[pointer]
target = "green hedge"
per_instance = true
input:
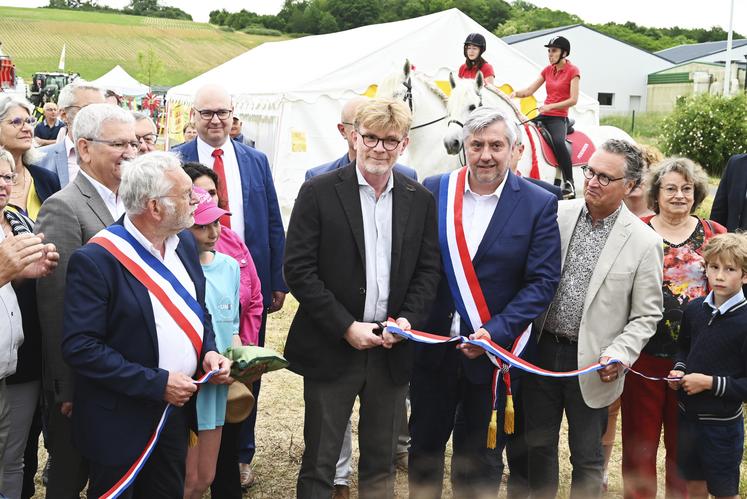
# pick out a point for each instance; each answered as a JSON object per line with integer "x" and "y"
{"x": 707, "y": 129}
{"x": 255, "y": 29}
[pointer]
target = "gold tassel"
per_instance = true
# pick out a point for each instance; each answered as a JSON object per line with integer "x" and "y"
{"x": 493, "y": 430}
{"x": 508, "y": 416}
{"x": 192, "y": 439}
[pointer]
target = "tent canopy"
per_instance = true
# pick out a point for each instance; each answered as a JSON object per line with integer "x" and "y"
{"x": 119, "y": 81}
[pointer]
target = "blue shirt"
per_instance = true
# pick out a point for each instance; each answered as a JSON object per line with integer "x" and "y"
{"x": 46, "y": 132}
{"x": 738, "y": 297}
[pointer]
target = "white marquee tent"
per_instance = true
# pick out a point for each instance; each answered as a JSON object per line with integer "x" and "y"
{"x": 290, "y": 93}
{"x": 119, "y": 81}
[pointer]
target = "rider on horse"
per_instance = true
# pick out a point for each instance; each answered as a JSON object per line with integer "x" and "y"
{"x": 474, "y": 47}
{"x": 562, "y": 79}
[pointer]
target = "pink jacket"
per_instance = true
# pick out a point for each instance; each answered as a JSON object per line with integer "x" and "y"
{"x": 250, "y": 292}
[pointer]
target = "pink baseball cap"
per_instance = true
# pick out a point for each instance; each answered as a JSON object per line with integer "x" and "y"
{"x": 207, "y": 211}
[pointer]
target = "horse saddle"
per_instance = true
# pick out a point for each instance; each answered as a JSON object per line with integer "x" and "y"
{"x": 579, "y": 145}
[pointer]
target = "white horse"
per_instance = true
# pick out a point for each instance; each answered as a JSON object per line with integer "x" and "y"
{"x": 469, "y": 94}
{"x": 426, "y": 152}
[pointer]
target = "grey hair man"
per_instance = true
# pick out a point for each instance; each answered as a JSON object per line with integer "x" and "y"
{"x": 61, "y": 157}
{"x": 608, "y": 303}
{"x": 146, "y": 132}
{"x": 104, "y": 138}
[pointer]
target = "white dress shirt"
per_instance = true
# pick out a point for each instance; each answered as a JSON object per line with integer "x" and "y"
{"x": 477, "y": 210}
{"x": 175, "y": 351}
{"x": 11, "y": 327}
{"x": 377, "y": 233}
{"x": 111, "y": 200}
{"x": 233, "y": 180}
{"x": 72, "y": 159}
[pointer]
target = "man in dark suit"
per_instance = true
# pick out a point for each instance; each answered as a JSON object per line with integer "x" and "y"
{"x": 69, "y": 219}
{"x": 247, "y": 189}
{"x": 345, "y": 127}
{"x": 129, "y": 352}
{"x": 730, "y": 206}
{"x": 361, "y": 247}
{"x": 62, "y": 158}
{"x": 512, "y": 244}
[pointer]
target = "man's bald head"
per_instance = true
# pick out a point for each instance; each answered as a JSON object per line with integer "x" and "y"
{"x": 345, "y": 127}
{"x": 212, "y": 114}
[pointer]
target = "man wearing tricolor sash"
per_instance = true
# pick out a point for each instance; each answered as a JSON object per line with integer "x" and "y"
{"x": 135, "y": 332}
{"x": 361, "y": 248}
{"x": 500, "y": 250}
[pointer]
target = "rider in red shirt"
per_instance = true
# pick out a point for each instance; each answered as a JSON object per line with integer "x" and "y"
{"x": 561, "y": 79}
{"x": 474, "y": 47}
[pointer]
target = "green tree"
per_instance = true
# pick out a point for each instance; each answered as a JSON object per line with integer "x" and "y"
{"x": 354, "y": 13}
{"x": 328, "y": 23}
{"x": 150, "y": 67}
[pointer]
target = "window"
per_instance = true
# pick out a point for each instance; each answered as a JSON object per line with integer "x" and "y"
{"x": 605, "y": 99}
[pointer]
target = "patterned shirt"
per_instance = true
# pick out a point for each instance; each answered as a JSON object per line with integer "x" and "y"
{"x": 587, "y": 241}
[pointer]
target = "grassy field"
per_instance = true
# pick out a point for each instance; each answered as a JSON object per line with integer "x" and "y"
{"x": 96, "y": 42}
{"x": 646, "y": 128}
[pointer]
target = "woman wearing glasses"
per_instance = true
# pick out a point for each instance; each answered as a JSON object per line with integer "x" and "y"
{"x": 676, "y": 187}
{"x": 33, "y": 184}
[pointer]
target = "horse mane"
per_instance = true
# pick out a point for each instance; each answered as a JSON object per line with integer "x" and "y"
{"x": 390, "y": 85}
{"x": 433, "y": 87}
{"x": 497, "y": 91}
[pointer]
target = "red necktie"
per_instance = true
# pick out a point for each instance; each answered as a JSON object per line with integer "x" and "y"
{"x": 225, "y": 220}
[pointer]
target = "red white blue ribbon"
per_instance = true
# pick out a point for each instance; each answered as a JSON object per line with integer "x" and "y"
{"x": 139, "y": 463}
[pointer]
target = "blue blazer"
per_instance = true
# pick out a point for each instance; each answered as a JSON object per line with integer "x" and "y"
{"x": 339, "y": 163}
{"x": 55, "y": 161}
{"x": 45, "y": 182}
{"x": 110, "y": 342}
{"x": 518, "y": 266}
{"x": 264, "y": 234}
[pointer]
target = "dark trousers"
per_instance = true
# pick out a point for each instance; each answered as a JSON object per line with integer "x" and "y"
{"x": 68, "y": 472}
{"x": 557, "y": 127}
{"x": 515, "y": 444}
{"x": 227, "y": 484}
{"x": 437, "y": 396}
{"x": 328, "y": 405}
{"x": 247, "y": 442}
{"x": 162, "y": 476}
{"x": 31, "y": 456}
{"x": 545, "y": 400}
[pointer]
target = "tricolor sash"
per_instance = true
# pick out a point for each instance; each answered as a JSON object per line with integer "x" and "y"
{"x": 183, "y": 308}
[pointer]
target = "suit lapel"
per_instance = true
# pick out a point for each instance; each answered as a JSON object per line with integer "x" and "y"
{"x": 615, "y": 242}
{"x": 567, "y": 224}
{"x": 347, "y": 190}
{"x": 503, "y": 212}
{"x": 93, "y": 200}
{"x": 401, "y": 204}
{"x": 61, "y": 160}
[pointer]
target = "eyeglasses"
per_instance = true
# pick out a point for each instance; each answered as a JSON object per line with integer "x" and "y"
{"x": 207, "y": 114}
{"x": 9, "y": 178}
{"x": 188, "y": 196}
{"x": 119, "y": 145}
{"x": 604, "y": 180}
{"x": 19, "y": 122}
{"x": 372, "y": 141}
{"x": 672, "y": 190}
{"x": 150, "y": 138}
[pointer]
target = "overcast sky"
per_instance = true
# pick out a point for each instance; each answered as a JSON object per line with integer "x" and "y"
{"x": 658, "y": 13}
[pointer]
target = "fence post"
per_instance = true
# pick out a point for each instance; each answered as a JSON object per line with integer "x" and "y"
{"x": 632, "y": 123}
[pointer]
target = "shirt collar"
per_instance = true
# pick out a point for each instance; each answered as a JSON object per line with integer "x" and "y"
{"x": 363, "y": 183}
{"x": 726, "y": 305}
{"x": 205, "y": 147}
{"x": 497, "y": 192}
{"x": 69, "y": 145}
{"x": 169, "y": 245}
{"x": 603, "y": 223}
{"x": 103, "y": 190}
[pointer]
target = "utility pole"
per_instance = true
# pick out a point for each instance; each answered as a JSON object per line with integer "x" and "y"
{"x": 727, "y": 67}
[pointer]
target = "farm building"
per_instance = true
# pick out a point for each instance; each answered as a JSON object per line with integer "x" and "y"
{"x": 612, "y": 71}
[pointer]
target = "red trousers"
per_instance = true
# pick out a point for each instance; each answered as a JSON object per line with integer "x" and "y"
{"x": 647, "y": 406}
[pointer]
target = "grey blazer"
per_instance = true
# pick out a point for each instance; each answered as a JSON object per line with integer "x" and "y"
{"x": 624, "y": 301}
{"x": 68, "y": 219}
{"x": 55, "y": 160}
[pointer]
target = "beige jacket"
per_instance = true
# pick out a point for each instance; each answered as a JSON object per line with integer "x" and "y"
{"x": 624, "y": 300}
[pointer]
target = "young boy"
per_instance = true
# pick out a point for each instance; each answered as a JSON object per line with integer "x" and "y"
{"x": 712, "y": 365}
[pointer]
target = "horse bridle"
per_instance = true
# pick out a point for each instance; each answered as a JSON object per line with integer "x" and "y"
{"x": 463, "y": 157}
{"x": 408, "y": 99}
{"x": 461, "y": 125}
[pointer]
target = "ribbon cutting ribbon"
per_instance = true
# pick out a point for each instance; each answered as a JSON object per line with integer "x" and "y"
{"x": 507, "y": 357}
{"x": 137, "y": 466}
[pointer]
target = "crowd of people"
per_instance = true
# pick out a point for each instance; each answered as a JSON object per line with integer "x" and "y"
{"x": 126, "y": 272}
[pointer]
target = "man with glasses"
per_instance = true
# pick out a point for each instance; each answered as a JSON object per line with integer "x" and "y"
{"x": 61, "y": 158}
{"x": 607, "y": 306}
{"x": 104, "y": 138}
{"x": 246, "y": 188}
{"x": 47, "y": 130}
{"x": 362, "y": 247}
{"x": 145, "y": 132}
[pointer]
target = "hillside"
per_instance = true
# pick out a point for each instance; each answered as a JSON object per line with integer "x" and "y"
{"x": 96, "y": 42}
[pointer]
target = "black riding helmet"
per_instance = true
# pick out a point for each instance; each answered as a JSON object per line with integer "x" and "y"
{"x": 562, "y": 43}
{"x": 475, "y": 39}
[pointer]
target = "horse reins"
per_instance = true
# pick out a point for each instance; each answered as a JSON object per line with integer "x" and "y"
{"x": 408, "y": 98}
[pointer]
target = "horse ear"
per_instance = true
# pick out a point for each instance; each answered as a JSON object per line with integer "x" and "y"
{"x": 407, "y": 68}
{"x": 451, "y": 80}
{"x": 479, "y": 80}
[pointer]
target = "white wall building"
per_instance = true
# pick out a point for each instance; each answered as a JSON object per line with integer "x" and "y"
{"x": 612, "y": 71}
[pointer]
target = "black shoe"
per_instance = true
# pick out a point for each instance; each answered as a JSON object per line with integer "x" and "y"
{"x": 569, "y": 190}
